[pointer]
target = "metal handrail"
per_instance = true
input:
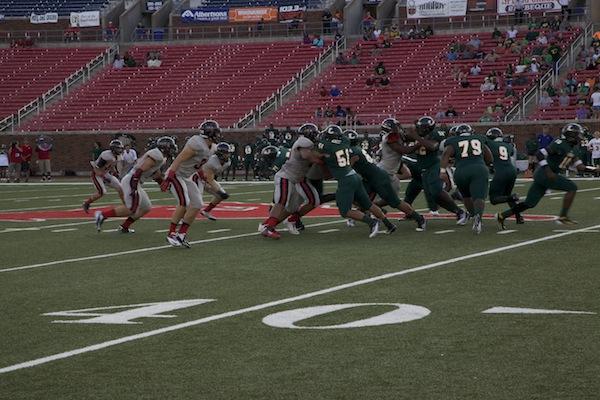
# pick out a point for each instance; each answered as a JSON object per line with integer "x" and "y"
{"x": 58, "y": 36}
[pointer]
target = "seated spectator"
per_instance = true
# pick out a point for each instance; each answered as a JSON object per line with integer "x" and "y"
{"x": 440, "y": 115}
{"x": 498, "y": 106}
{"x": 328, "y": 113}
{"x": 154, "y": 61}
{"x": 428, "y": 31}
{"x": 468, "y": 54}
{"x": 534, "y": 67}
{"x": 582, "y": 111}
{"x": 118, "y": 63}
{"x": 335, "y": 91}
{"x": 452, "y": 55}
{"x": 341, "y": 59}
{"x": 318, "y": 42}
{"x": 129, "y": 60}
{"x": 339, "y": 112}
{"x": 583, "y": 88}
{"x": 532, "y": 34}
{"x": 570, "y": 84}
{"x": 380, "y": 69}
{"x": 319, "y": 112}
{"x": 386, "y": 43}
{"x": 384, "y": 81}
{"x": 542, "y": 39}
{"x": 338, "y": 35}
{"x": 323, "y": 92}
{"x": 496, "y": 34}
{"x": 551, "y": 90}
{"x": 377, "y": 33}
{"x": 306, "y": 39}
{"x": 491, "y": 56}
{"x": 509, "y": 92}
{"x": 564, "y": 100}
{"x": 487, "y": 117}
{"x": 521, "y": 67}
{"x": 451, "y": 112}
{"x": 512, "y": 33}
{"x": 475, "y": 42}
{"x": 394, "y": 31}
{"x": 545, "y": 101}
{"x": 354, "y": 59}
{"x": 487, "y": 86}
{"x": 475, "y": 70}
{"x": 464, "y": 81}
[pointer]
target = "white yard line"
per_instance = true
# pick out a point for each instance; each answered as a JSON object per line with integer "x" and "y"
{"x": 506, "y": 232}
{"x": 329, "y": 231}
{"x": 37, "y": 228}
{"x": 446, "y": 231}
{"x": 258, "y": 307}
{"x": 64, "y": 230}
{"x": 218, "y": 230}
{"x": 143, "y": 250}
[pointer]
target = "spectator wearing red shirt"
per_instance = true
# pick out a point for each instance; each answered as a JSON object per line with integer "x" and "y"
{"x": 26, "y": 153}
{"x": 43, "y": 155}
{"x": 14, "y": 162}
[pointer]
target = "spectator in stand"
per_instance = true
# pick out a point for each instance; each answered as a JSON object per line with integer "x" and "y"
{"x": 380, "y": 69}
{"x": 26, "y": 153}
{"x": 428, "y": 31}
{"x": 487, "y": 85}
{"x": 487, "y": 117}
{"x": 542, "y": 39}
{"x": 154, "y": 61}
{"x": 468, "y": 54}
{"x": 519, "y": 11}
{"x": 384, "y": 81}
{"x": 451, "y": 112}
{"x": 96, "y": 150}
{"x": 555, "y": 51}
{"x": 129, "y": 158}
{"x": 326, "y": 20}
{"x": 545, "y": 101}
{"x": 496, "y": 35}
{"x": 551, "y": 90}
{"x": 323, "y": 92}
{"x": 118, "y": 63}
{"x": 512, "y": 33}
{"x": 582, "y": 111}
{"x": 509, "y": 93}
{"x": 354, "y": 59}
{"x": 595, "y": 100}
{"x": 328, "y": 113}
{"x": 464, "y": 81}
{"x": 498, "y": 106}
{"x": 110, "y": 32}
{"x": 341, "y": 59}
{"x": 335, "y": 91}
{"x": 319, "y": 112}
{"x": 3, "y": 163}
{"x": 14, "y": 162}
{"x": 532, "y": 34}
{"x": 570, "y": 84}
{"x": 318, "y": 42}
{"x": 377, "y": 33}
{"x": 544, "y": 138}
{"x": 44, "y": 165}
{"x": 492, "y": 56}
{"x": 129, "y": 60}
{"x": 340, "y": 112}
{"x": 475, "y": 42}
{"x": 535, "y": 66}
{"x": 452, "y": 55}
{"x": 306, "y": 39}
{"x": 475, "y": 70}
{"x": 440, "y": 115}
{"x": 564, "y": 100}
{"x": 394, "y": 31}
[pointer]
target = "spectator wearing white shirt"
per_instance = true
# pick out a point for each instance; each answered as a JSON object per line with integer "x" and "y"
{"x": 564, "y": 100}
{"x": 545, "y": 101}
{"x": 154, "y": 61}
{"x": 118, "y": 63}
{"x": 512, "y": 33}
{"x": 594, "y": 147}
{"x": 595, "y": 100}
{"x": 534, "y": 66}
{"x": 542, "y": 39}
{"x": 475, "y": 69}
{"x": 129, "y": 158}
{"x": 487, "y": 85}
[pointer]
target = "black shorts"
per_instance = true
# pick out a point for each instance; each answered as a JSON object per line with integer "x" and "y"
{"x": 25, "y": 166}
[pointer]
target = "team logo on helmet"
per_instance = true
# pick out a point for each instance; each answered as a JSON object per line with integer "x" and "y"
{"x": 223, "y": 151}
{"x": 116, "y": 146}
{"x": 333, "y": 132}
{"x": 210, "y": 129}
{"x": 494, "y": 133}
{"x": 572, "y": 133}
{"x": 352, "y": 135}
{"x": 464, "y": 129}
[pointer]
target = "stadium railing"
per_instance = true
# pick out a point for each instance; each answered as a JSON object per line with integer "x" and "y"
{"x": 58, "y": 36}
{"x": 293, "y": 86}
{"x": 61, "y": 89}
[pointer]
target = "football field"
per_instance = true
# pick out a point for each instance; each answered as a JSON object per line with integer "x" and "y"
{"x": 329, "y": 314}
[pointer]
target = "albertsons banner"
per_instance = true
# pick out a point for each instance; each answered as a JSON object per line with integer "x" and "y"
{"x": 436, "y": 8}
{"x": 206, "y": 14}
{"x": 508, "y": 6}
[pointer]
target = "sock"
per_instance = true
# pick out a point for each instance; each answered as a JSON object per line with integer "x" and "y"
{"x": 127, "y": 223}
{"x": 367, "y": 220}
{"x": 88, "y": 201}
{"x": 413, "y": 215}
{"x": 209, "y": 207}
{"x": 109, "y": 213}
{"x": 271, "y": 222}
{"x": 387, "y": 223}
{"x": 515, "y": 210}
{"x": 172, "y": 228}
{"x": 478, "y": 210}
{"x": 564, "y": 212}
{"x": 184, "y": 228}
{"x": 294, "y": 217}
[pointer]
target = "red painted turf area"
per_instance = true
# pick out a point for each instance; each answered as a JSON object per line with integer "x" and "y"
{"x": 230, "y": 210}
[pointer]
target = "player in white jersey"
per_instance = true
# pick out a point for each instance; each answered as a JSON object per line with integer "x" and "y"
{"x": 293, "y": 192}
{"x": 594, "y": 147}
{"x": 205, "y": 177}
{"x": 102, "y": 173}
{"x": 137, "y": 202}
{"x": 178, "y": 179}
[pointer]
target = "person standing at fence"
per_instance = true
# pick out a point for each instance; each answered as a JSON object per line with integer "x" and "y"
{"x": 129, "y": 159}
{"x": 43, "y": 149}
{"x": 26, "y": 153}
{"x": 519, "y": 11}
{"x": 14, "y": 162}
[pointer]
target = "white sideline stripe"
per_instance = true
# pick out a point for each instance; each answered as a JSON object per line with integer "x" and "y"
{"x": 54, "y": 200}
{"x": 37, "y": 228}
{"x": 155, "y": 332}
{"x": 596, "y": 198}
{"x": 252, "y": 199}
{"x": 329, "y": 231}
{"x": 145, "y": 249}
{"x": 446, "y": 231}
{"x": 556, "y": 198}
{"x": 218, "y": 230}
{"x": 506, "y": 232}
{"x": 568, "y": 230}
{"x": 64, "y": 230}
{"x": 161, "y": 230}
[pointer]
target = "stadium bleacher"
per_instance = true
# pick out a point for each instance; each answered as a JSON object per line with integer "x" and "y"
{"x": 421, "y": 83}
{"x": 20, "y": 8}
{"x": 221, "y": 82}
{"x": 27, "y": 73}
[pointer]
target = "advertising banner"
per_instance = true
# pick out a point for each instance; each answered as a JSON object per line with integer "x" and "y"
{"x": 508, "y": 6}
{"x": 206, "y": 14}
{"x": 253, "y": 14}
{"x": 291, "y": 13}
{"x": 47, "y": 18}
{"x": 436, "y": 8}
{"x": 85, "y": 18}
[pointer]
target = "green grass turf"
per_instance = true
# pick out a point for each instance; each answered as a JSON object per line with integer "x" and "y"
{"x": 454, "y": 353}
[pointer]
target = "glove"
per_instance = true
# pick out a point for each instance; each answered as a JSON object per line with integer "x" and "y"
{"x": 223, "y": 195}
{"x": 166, "y": 184}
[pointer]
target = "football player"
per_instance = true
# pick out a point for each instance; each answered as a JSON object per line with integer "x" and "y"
{"x": 415, "y": 186}
{"x": 553, "y": 161}
{"x": 428, "y": 139}
{"x": 178, "y": 179}
{"x": 290, "y": 182}
{"x": 335, "y": 148}
{"x": 377, "y": 181}
{"x": 102, "y": 173}
{"x": 505, "y": 173}
{"x": 471, "y": 156}
{"x": 205, "y": 177}
{"x": 137, "y": 202}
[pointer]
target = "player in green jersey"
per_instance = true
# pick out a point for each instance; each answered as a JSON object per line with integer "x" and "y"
{"x": 555, "y": 159}
{"x": 471, "y": 157}
{"x": 531, "y": 147}
{"x": 377, "y": 182}
{"x": 335, "y": 148}
{"x": 428, "y": 162}
{"x": 505, "y": 173}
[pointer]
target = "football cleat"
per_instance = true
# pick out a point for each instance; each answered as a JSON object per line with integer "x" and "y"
{"x": 173, "y": 240}
{"x": 391, "y": 229}
{"x": 99, "y": 220}
{"x": 182, "y": 239}
{"x": 500, "y": 220}
{"x": 270, "y": 233}
{"x": 120, "y": 229}
{"x": 421, "y": 224}
{"x": 434, "y": 212}
{"x": 86, "y": 207}
{"x": 566, "y": 221}
{"x": 208, "y": 215}
{"x": 291, "y": 227}
{"x": 374, "y": 229}
{"x": 300, "y": 225}
{"x": 477, "y": 224}
{"x": 350, "y": 223}
{"x": 462, "y": 217}
{"x": 261, "y": 227}
{"x": 520, "y": 219}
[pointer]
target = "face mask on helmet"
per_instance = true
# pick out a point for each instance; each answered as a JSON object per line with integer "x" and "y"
{"x": 223, "y": 151}
{"x": 390, "y": 125}
{"x": 167, "y": 146}
{"x": 309, "y": 131}
{"x": 494, "y": 133}
{"x": 464, "y": 129}
{"x": 425, "y": 125}
{"x": 268, "y": 154}
{"x": 352, "y": 136}
{"x": 116, "y": 147}
{"x": 572, "y": 133}
{"x": 210, "y": 129}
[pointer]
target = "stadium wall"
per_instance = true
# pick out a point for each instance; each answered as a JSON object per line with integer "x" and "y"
{"x": 72, "y": 150}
